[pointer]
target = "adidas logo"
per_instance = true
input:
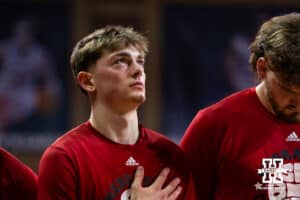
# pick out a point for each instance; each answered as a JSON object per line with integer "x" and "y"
{"x": 293, "y": 137}
{"x": 131, "y": 162}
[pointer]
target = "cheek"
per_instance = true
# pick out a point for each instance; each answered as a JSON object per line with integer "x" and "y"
{"x": 110, "y": 76}
{"x": 281, "y": 98}
{"x": 108, "y": 81}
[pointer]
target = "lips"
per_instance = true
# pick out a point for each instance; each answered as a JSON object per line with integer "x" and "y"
{"x": 137, "y": 84}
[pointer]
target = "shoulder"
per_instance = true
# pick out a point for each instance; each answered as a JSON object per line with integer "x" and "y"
{"x": 211, "y": 123}
{"x": 6, "y": 157}
{"x": 8, "y": 160}
{"x": 13, "y": 164}
{"x": 72, "y": 137}
{"x": 227, "y": 107}
{"x": 232, "y": 102}
{"x": 66, "y": 145}
{"x": 16, "y": 176}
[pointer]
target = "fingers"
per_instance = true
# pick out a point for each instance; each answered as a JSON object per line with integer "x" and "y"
{"x": 172, "y": 186}
{"x": 138, "y": 177}
{"x": 155, "y": 190}
{"x": 174, "y": 195}
{"x": 160, "y": 180}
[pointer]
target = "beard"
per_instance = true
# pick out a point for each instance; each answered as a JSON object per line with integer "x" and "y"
{"x": 283, "y": 114}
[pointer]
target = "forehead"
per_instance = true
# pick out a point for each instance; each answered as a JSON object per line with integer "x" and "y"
{"x": 130, "y": 51}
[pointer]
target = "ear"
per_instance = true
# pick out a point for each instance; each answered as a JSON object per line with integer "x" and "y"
{"x": 261, "y": 67}
{"x": 86, "y": 81}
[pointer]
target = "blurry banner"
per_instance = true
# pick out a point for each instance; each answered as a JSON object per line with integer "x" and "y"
{"x": 33, "y": 60}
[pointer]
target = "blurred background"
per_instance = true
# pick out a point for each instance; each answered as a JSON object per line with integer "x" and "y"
{"x": 198, "y": 54}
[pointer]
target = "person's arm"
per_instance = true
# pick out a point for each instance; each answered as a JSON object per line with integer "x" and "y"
{"x": 57, "y": 179}
{"x": 201, "y": 143}
{"x": 155, "y": 191}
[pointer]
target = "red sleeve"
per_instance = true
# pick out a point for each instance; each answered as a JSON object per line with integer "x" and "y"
{"x": 57, "y": 179}
{"x": 17, "y": 180}
{"x": 201, "y": 143}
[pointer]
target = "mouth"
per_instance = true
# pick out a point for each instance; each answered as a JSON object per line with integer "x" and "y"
{"x": 291, "y": 109}
{"x": 138, "y": 84}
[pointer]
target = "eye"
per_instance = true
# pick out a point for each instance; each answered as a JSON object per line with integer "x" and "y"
{"x": 121, "y": 62}
{"x": 141, "y": 62}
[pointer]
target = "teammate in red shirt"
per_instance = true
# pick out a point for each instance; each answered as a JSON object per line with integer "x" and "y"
{"x": 17, "y": 182}
{"x": 247, "y": 146}
{"x": 99, "y": 158}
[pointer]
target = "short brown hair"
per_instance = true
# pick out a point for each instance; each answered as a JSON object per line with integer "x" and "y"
{"x": 110, "y": 38}
{"x": 278, "y": 41}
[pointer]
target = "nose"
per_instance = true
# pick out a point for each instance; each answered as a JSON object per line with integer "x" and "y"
{"x": 137, "y": 70}
{"x": 295, "y": 102}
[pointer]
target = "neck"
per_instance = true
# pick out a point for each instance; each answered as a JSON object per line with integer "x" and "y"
{"x": 120, "y": 128}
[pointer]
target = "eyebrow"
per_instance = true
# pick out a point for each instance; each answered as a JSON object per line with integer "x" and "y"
{"x": 126, "y": 54}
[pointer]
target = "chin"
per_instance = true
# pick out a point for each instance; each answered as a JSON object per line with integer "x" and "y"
{"x": 293, "y": 118}
{"x": 141, "y": 99}
{"x": 137, "y": 99}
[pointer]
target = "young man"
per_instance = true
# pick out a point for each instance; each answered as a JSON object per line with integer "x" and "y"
{"x": 17, "y": 180}
{"x": 247, "y": 146}
{"x": 98, "y": 159}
